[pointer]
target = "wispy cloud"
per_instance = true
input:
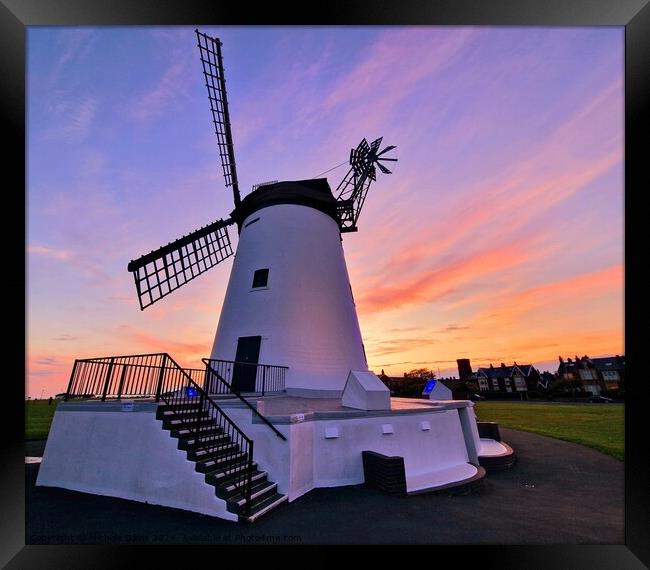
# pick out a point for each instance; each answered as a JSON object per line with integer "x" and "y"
{"x": 72, "y": 120}
{"x": 76, "y": 45}
{"x": 432, "y": 283}
{"x": 511, "y": 309}
{"x": 451, "y": 328}
{"x": 66, "y": 337}
{"x": 169, "y": 88}
{"x": 172, "y": 87}
{"x": 51, "y": 252}
{"x": 399, "y": 345}
{"x": 391, "y": 68}
{"x": 522, "y": 192}
{"x": 187, "y": 352}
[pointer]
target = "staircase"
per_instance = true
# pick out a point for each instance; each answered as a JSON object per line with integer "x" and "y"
{"x": 223, "y": 463}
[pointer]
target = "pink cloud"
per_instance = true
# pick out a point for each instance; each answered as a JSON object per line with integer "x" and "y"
{"x": 51, "y": 252}
{"x": 172, "y": 86}
{"x": 436, "y": 282}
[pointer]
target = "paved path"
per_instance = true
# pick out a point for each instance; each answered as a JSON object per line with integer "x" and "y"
{"x": 557, "y": 493}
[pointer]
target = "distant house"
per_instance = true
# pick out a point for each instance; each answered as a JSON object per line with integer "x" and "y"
{"x": 531, "y": 376}
{"x": 595, "y": 375}
{"x": 503, "y": 379}
{"x": 546, "y": 380}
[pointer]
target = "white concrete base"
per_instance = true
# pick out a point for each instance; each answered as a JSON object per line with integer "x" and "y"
{"x": 324, "y": 449}
{"x": 97, "y": 448}
{"x": 365, "y": 391}
{"x": 439, "y": 477}
{"x": 105, "y": 451}
{"x": 491, "y": 448}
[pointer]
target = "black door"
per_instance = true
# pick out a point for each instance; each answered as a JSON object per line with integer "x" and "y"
{"x": 244, "y": 372}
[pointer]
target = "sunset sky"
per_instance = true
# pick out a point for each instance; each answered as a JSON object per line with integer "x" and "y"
{"x": 499, "y": 236}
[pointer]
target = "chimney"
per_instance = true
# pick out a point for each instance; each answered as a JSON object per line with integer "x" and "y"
{"x": 503, "y": 365}
{"x": 491, "y": 365}
{"x": 464, "y": 368}
{"x": 561, "y": 360}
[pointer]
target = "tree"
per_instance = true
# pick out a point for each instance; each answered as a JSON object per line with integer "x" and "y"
{"x": 422, "y": 373}
{"x": 412, "y": 384}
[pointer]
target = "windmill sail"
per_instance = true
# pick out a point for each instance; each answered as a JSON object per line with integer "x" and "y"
{"x": 215, "y": 81}
{"x": 164, "y": 270}
{"x": 353, "y": 188}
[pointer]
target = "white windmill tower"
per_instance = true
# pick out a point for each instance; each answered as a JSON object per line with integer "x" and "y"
{"x": 289, "y": 300}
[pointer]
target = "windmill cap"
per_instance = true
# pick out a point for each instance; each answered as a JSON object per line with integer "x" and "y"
{"x": 314, "y": 193}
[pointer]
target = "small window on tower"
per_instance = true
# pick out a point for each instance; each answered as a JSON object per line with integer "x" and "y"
{"x": 261, "y": 278}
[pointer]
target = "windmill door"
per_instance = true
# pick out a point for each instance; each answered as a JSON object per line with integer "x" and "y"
{"x": 245, "y": 369}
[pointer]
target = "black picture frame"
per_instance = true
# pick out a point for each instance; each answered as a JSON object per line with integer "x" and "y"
{"x": 16, "y": 15}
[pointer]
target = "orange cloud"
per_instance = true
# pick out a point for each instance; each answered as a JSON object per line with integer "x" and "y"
{"x": 186, "y": 352}
{"x": 434, "y": 283}
{"x": 595, "y": 284}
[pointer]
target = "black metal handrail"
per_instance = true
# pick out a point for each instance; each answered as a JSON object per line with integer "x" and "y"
{"x": 116, "y": 376}
{"x": 212, "y": 373}
{"x": 160, "y": 376}
{"x": 268, "y": 377}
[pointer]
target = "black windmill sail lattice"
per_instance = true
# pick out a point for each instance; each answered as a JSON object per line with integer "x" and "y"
{"x": 215, "y": 81}
{"x": 169, "y": 267}
{"x": 352, "y": 191}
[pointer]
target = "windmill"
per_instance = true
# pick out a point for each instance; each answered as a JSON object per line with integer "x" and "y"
{"x": 289, "y": 282}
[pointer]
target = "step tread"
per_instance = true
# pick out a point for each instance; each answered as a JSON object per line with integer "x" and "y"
{"x": 222, "y": 476}
{"x": 189, "y": 442}
{"x": 186, "y": 432}
{"x": 183, "y": 424}
{"x": 264, "y": 507}
{"x": 256, "y": 491}
{"x": 214, "y": 464}
{"x": 218, "y": 451}
{"x": 230, "y": 489}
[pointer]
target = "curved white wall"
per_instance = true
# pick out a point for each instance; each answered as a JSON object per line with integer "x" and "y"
{"x": 306, "y": 316}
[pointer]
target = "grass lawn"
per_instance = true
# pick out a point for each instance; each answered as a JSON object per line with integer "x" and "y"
{"x": 38, "y": 418}
{"x": 601, "y": 426}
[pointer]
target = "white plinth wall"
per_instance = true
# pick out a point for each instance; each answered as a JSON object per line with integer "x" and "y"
{"x": 438, "y": 445}
{"x": 104, "y": 451}
{"x": 306, "y": 314}
{"x": 97, "y": 448}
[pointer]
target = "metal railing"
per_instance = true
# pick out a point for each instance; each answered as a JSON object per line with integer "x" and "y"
{"x": 117, "y": 376}
{"x": 262, "y": 378}
{"x": 160, "y": 376}
{"x": 213, "y": 375}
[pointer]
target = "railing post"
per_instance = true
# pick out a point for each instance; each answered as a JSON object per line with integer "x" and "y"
{"x": 108, "y": 379}
{"x": 160, "y": 377}
{"x": 119, "y": 390}
{"x": 264, "y": 378}
{"x": 249, "y": 477}
{"x": 74, "y": 369}
{"x": 198, "y": 420}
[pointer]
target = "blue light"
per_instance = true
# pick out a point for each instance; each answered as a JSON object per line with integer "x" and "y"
{"x": 190, "y": 391}
{"x": 429, "y": 386}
